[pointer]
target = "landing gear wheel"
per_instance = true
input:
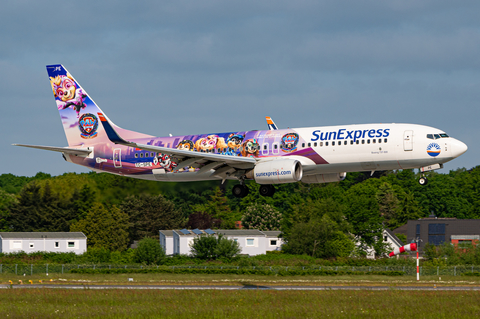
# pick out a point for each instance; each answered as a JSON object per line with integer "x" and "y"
{"x": 240, "y": 191}
{"x": 423, "y": 181}
{"x": 267, "y": 190}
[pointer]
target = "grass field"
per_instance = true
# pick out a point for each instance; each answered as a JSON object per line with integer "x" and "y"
{"x": 63, "y": 303}
{"x": 122, "y": 303}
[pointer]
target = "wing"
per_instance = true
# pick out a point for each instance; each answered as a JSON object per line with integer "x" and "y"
{"x": 224, "y": 165}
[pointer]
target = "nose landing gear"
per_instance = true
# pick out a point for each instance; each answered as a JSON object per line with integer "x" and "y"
{"x": 423, "y": 180}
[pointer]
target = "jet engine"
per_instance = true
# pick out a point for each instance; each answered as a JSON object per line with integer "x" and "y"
{"x": 277, "y": 172}
{"x": 324, "y": 178}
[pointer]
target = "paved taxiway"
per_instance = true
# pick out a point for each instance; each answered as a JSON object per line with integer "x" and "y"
{"x": 220, "y": 287}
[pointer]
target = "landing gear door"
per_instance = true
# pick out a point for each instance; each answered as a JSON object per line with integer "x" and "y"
{"x": 117, "y": 157}
{"x": 408, "y": 141}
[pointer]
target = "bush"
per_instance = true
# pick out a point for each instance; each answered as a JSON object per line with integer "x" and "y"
{"x": 149, "y": 252}
{"x": 211, "y": 247}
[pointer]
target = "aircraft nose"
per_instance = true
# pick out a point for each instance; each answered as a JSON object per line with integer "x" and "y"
{"x": 458, "y": 148}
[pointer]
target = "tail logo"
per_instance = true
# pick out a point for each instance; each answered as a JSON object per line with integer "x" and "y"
{"x": 88, "y": 124}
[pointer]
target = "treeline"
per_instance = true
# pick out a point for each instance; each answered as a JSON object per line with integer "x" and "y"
{"x": 319, "y": 220}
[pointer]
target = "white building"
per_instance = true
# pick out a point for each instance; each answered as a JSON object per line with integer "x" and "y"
{"x": 389, "y": 239}
{"x": 252, "y": 242}
{"x": 166, "y": 241}
{"x": 29, "y": 242}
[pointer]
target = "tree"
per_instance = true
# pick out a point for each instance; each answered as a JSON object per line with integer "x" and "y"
{"x": 262, "y": 217}
{"x": 149, "y": 252}
{"x": 38, "y": 209}
{"x": 6, "y": 201}
{"x": 362, "y": 212}
{"x": 104, "y": 227}
{"x": 218, "y": 208}
{"x": 202, "y": 220}
{"x": 149, "y": 214}
{"x": 320, "y": 238}
{"x": 211, "y": 247}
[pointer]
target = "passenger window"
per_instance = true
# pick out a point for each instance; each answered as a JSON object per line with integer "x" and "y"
{"x": 265, "y": 146}
{"x": 309, "y": 144}
{"x": 358, "y": 142}
{"x": 333, "y": 143}
{"x": 275, "y": 146}
{"x": 385, "y": 140}
{"x": 326, "y": 143}
{"x": 315, "y": 144}
{"x": 363, "y": 141}
{"x": 345, "y": 143}
{"x": 321, "y": 143}
{"x": 374, "y": 141}
{"x": 303, "y": 144}
{"x": 136, "y": 155}
{"x": 152, "y": 154}
{"x": 141, "y": 155}
{"x": 351, "y": 142}
{"x": 368, "y": 141}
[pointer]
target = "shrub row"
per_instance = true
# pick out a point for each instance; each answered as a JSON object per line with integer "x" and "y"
{"x": 240, "y": 271}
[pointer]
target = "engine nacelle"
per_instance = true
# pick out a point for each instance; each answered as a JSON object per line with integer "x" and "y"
{"x": 277, "y": 172}
{"x": 324, "y": 178}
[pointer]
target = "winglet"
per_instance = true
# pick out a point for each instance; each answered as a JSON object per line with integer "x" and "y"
{"x": 271, "y": 124}
{"x": 111, "y": 133}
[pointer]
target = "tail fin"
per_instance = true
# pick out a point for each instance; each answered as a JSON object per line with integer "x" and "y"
{"x": 271, "y": 124}
{"x": 78, "y": 111}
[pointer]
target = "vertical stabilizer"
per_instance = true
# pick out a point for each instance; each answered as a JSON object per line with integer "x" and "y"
{"x": 78, "y": 112}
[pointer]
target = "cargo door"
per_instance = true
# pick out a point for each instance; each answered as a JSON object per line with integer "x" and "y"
{"x": 408, "y": 141}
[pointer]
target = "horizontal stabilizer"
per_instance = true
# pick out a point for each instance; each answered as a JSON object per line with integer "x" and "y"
{"x": 67, "y": 150}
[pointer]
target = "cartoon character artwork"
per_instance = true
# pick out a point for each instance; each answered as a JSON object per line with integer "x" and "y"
{"x": 210, "y": 143}
{"x": 185, "y": 145}
{"x": 67, "y": 94}
{"x": 289, "y": 142}
{"x": 250, "y": 148}
{"x": 234, "y": 143}
{"x": 166, "y": 162}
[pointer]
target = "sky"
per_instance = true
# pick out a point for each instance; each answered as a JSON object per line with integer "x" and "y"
{"x": 188, "y": 67}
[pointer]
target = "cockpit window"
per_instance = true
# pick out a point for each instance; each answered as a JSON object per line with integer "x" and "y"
{"x": 444, "y": 135}
{"x": 436, "y": 136}
{"x": 430, "y": 136}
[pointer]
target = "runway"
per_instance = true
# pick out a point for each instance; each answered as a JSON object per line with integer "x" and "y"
{"x": 249, "y": 287}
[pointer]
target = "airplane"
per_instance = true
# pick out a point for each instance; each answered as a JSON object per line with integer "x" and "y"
{"x": 310, "y": 154}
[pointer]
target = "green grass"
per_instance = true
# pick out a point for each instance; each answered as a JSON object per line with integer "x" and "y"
{"x": 63, "y": 303}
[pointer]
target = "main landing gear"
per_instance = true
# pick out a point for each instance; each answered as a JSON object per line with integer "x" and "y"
{"x": 267, "y": 190}
{"x": 241, "y": 190}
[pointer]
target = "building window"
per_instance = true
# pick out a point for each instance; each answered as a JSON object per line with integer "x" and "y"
{"x": 31, "y": 245}
{"x": 71, "y": 244}
{"x": 384, "y": 238}
{"x": 57, "y": 244}
{"x": 436, "y": 234}
{"x": 250, "y": 241}
{"x": 273, "y": 242}
{"x": 17, "y": 244}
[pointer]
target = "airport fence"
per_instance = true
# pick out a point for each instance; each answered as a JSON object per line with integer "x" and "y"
{"x": 34, "y": 269}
